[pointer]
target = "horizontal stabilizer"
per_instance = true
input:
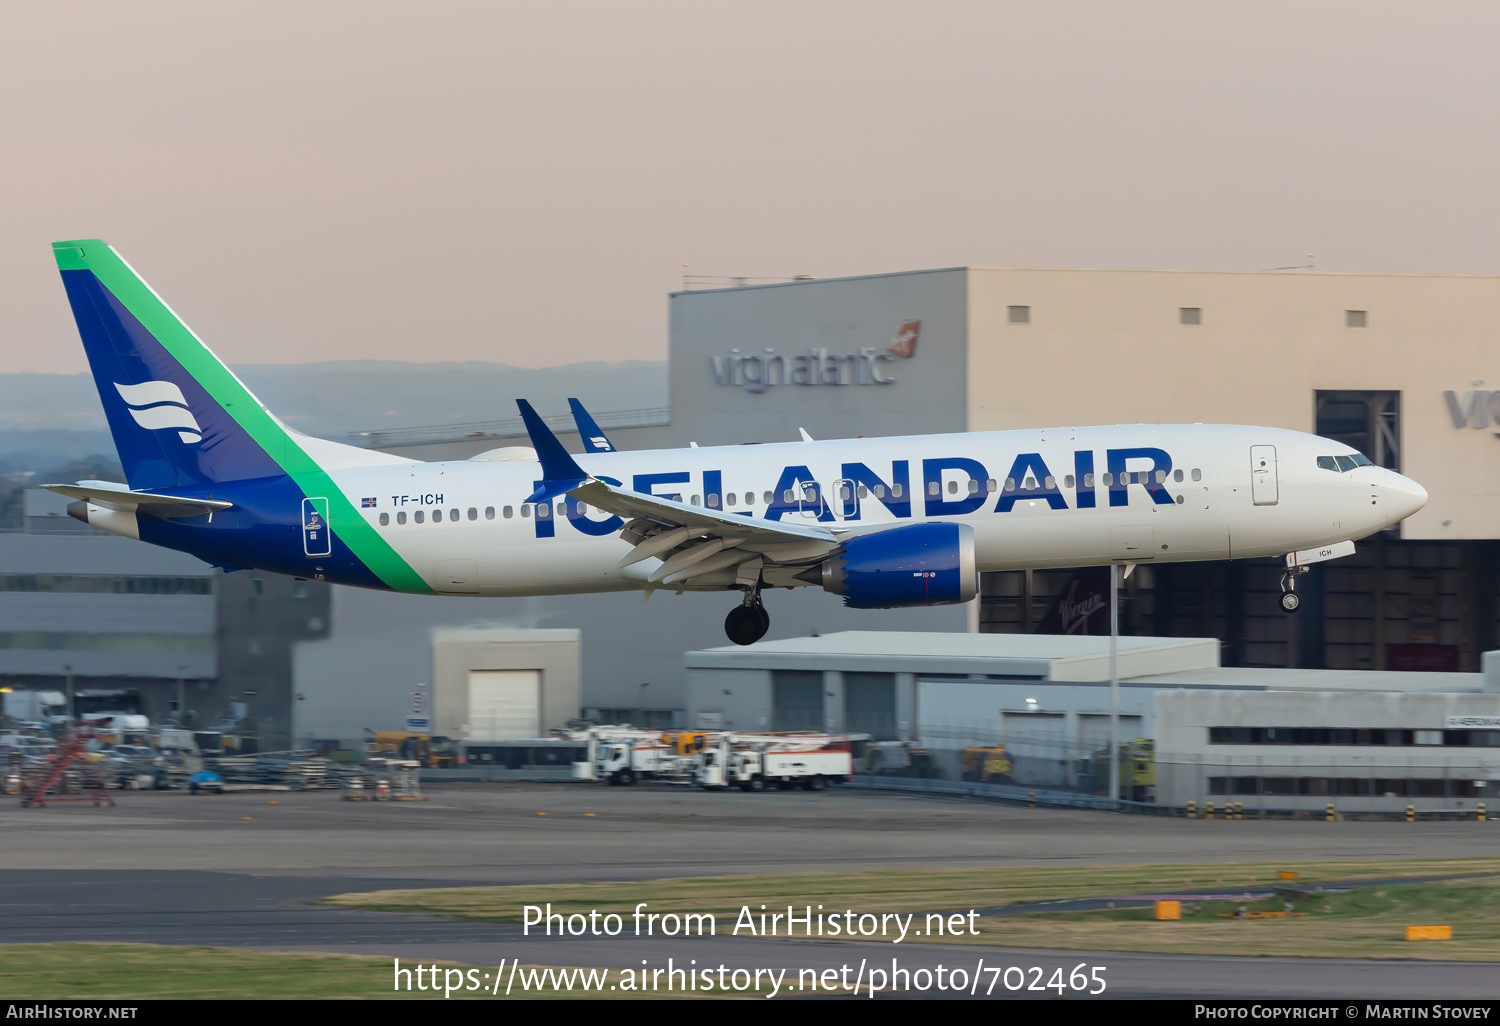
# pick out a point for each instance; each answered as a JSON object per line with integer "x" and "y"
{"x": 121, "y": 500}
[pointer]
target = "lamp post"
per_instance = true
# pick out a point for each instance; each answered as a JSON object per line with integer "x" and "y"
{"x": 640, "y": 703}
{"x": 1114, "y": 683}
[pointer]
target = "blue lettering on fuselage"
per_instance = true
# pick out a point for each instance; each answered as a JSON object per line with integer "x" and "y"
{"x": 1032, "y": 481}
{"x": 932, "y": 484}
{"x": 798, "y": 492}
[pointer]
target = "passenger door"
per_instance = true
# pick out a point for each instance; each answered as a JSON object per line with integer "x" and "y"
{"x": 1263, "y": 487}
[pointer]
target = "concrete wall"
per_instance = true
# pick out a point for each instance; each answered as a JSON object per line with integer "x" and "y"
{"x": 1185, "y": 759}
{"x": 1107, "y": 347}
{"x": 554, "y": 654}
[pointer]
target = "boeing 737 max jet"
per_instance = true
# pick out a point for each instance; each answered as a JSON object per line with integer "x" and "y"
{"x": 882, "y": 522}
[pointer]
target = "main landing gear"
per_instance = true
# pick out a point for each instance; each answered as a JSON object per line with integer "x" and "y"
{"x": 1291, "y": 602}
{"x": 748, "y": 622}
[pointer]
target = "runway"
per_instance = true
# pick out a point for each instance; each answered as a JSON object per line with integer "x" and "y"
{"x": 172, "y": 869}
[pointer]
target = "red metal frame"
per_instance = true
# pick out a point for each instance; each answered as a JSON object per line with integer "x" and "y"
{"x": 73, "y": 749}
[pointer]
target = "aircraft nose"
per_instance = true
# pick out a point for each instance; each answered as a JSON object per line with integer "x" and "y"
{"x": 1403, "y": 496}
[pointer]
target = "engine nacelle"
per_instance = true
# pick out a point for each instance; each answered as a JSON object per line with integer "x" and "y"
{"x": 917, "y": 565}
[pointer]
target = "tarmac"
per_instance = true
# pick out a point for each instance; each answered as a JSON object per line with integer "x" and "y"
{"x": 243, "y": 870}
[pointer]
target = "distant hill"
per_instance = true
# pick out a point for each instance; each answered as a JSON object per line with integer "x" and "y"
{"x": 47, "y": 419}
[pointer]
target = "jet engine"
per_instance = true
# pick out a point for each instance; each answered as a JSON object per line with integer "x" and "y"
{"x": 916, "y": 565}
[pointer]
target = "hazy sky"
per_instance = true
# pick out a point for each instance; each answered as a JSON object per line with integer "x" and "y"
{"x": 522, "y": 182}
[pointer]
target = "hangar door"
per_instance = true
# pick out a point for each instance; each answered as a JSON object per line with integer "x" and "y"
{"x": 504, "y": 704}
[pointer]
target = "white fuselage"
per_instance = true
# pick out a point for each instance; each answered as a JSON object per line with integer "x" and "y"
{"x": 1243, "y": 492}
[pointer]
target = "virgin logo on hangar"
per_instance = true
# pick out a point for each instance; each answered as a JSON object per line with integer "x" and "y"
{"x": 904, "y": 342}
{"x": 816, "y": 366}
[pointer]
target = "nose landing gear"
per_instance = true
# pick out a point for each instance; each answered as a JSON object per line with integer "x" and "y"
{"x": 1291, "y": 602}
{"x": 748, "y": 622}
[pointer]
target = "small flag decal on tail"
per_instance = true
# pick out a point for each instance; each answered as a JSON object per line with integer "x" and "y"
{"x": 367, "y": 503}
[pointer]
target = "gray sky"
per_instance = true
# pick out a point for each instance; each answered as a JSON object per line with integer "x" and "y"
{"x": 522, "y": 182}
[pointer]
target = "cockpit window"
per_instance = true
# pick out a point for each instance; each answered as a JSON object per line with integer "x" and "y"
{"x": 1361, "y": 460}
{"x": 1328, "y": 463}
{"x": 1347, "y": 463}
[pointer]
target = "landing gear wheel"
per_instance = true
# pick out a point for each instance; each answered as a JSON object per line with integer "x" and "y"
{"x": 1291, "y": 601}
{"x": 747, "y": 624}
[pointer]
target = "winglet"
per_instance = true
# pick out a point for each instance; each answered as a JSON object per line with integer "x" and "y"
{"x": 559, "y": 472}
{"x": 594, "y": 440}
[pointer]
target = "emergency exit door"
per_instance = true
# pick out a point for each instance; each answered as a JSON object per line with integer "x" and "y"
{"x": 1263, "y": 488}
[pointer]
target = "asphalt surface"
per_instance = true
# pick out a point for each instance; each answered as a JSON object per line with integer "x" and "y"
{"x": 173, "y": 869}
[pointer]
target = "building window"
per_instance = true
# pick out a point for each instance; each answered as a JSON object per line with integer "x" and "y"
{"x": 1189, "y": 315}
{"x": 1354, "y": 318}
{"x": 1019, "y": 314}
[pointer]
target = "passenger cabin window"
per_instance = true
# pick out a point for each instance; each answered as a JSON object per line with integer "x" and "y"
{"x": 543, "y": 510}
{"x": 1197, "y": 474}
{"x": 489, "y": 513}
{"x": 932, "y": 487}
{"x": 437, "y": 516}
{"x": 526, "y": 510}
{"x": 1010, "y": 484}
{"x": 385, "y": 519}
{"x": 768, "y": 498}
{"x": 1068, "y": 481}
{"x": 416, "y": 517}
{"x": 508, "y": 512}
{"x": 400, "y": 518}
{"x": 729, "y": 497}
{"x": 1088, "y": 480}
{"x": 1177, "y": 475}
{"x": 896, "y": 491}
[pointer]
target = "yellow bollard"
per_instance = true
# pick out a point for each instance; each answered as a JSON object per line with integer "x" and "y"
{"x": 1481, "y": 812}
{"x": 1031, "y": 801}
{"x": 1209, "y": 812}
{"x": 1192, "y": 810}
{"x": 1330, "y": 812}
{"x": 1239, "y": 810}
{"x": 1411, "y": 813}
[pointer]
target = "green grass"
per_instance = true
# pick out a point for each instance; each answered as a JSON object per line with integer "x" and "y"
{"x": 1366, "y": 923}
{"x": 879, "y": 891}
{"x": 32, "y": 972}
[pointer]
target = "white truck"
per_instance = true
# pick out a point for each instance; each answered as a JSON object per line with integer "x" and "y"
{"x": 49, "y": 707}
{"x": 624, "y": 755}
{"x": 753, "y": 763}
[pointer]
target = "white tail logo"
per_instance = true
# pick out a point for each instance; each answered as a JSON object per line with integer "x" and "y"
{"x": 161, "y": 406}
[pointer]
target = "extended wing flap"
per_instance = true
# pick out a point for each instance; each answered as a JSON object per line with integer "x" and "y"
{"x": 149, "y": 503}
{"x": 753, "y": 536}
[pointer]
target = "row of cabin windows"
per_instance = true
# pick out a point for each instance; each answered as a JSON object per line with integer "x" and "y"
{"x": 1050, "y": 482}
{"x": 1351, "y": 736}
{"x": 810, "y": 494}
{"x": 1366, "y": 787}
{"x": 1190, "y": 315}
{"x": 507, "y": 512}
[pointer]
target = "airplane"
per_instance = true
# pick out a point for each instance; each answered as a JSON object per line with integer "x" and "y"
{"x": 882, "y": 522}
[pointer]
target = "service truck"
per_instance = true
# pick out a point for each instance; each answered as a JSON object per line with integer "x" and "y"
{"x": 754, "y": 762}
{"x": 49, "y": 707}
{"x": 623, "y": 755}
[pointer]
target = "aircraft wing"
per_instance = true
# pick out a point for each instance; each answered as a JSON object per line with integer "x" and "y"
{"x": 166, "y": 506}
{"x": 692, "y": 540}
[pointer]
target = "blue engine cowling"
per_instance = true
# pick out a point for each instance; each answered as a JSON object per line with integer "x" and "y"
{"x": 917, "y": 565}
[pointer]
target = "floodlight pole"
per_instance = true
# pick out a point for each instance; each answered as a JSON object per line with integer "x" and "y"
{"x": 1114, "y": 683}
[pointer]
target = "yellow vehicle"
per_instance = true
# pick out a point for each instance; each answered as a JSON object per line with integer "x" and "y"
{"x": 688, "y": 742}
{"x": 987, "y": 765}
{"x": 431, "y": 752}
{"x": 1137, "y": 770}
